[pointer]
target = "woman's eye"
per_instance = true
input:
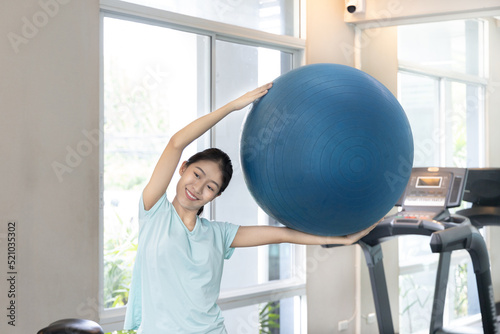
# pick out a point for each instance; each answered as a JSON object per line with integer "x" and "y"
{"x": 196, "y": 175}
{"x": 211, "y": 189}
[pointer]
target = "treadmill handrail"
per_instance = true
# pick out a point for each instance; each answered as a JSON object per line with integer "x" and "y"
{"x": 481, "y": 216}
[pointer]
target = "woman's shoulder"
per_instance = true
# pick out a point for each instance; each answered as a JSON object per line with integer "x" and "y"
{"x": 161, "y": 206}
{"x": 217, "y": 225}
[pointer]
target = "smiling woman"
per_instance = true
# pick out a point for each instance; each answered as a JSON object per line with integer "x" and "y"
{"x": 176, "y": 246}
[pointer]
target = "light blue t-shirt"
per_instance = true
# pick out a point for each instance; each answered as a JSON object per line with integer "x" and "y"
{"x": 177, "y": 273}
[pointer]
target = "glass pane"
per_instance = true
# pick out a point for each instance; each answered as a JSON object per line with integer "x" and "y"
{"x": 150, "y": 92}
{"x": 450, "y": 45}
{"x": 462, "y": 104}
{"x": 273, "y": 16}
{"x": 282, "y": 316}
{"x": 462, "y": 298}
{"x": 417, "y": 281}
{"x": 417, "y": 274}
{"x": 419, "y": 97}
{"x": 241, "y": 68}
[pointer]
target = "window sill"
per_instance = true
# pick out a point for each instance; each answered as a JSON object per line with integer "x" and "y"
{"x": 112, "y": 319}
{"x": 266, "y": 292}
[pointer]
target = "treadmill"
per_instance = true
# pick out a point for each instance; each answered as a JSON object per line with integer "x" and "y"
{"x": 424, "y": 211}
{"x": 482, "y": 190}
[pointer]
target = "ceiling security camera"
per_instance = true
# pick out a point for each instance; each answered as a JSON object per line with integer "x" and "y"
{"x": 351, "y": 6}
{"x": 355, "y": 6}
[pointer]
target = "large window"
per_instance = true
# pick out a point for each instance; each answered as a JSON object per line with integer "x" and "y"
{"x": 441, "y": 86}
{"x": 157, "y": 77}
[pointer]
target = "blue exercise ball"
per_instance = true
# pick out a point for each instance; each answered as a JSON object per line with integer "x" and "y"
{"x": 327, "y": 151}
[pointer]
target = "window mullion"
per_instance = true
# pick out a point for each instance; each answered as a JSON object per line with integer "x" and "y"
{"x": 212, "y": 132}
{"x": 442, "y": 121}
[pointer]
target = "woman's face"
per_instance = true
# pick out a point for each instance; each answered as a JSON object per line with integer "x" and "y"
{"x": 199, "y": 184}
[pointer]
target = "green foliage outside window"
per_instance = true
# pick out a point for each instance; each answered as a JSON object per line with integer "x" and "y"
{"x": 269, "y": 318}
{"x": 119, "y": 255}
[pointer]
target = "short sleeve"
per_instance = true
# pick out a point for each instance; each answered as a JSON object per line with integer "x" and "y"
{"x": 230, "y": 231}
{"x": 145, "y": 214}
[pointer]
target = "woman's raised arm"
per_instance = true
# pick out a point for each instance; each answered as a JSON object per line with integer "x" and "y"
{"x": 167, "y": 164}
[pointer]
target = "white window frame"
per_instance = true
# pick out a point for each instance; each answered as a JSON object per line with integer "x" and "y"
{"x": 112, "y": 319}
{"x": 441, "y": 76}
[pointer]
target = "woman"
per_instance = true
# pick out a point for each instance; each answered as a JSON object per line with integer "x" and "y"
{"x": 178, "y": 268}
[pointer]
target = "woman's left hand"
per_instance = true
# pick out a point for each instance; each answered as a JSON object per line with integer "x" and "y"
{"x": 355, "y": 237}
{"x": 250, "y": 96}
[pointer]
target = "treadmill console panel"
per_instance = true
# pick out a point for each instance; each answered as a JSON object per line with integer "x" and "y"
{"x": 434, "y": 188}
{"x": 427, "y": 190}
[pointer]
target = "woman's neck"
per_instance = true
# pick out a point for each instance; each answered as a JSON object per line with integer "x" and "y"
{"x": 188, "y": 217}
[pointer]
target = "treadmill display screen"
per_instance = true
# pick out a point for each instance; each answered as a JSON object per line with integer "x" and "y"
{"x": 429, "y": 182}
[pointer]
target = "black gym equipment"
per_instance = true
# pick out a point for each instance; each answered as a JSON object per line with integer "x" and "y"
{"x": 425, "y": 203}
{"x": 483, "y": 191}
{"x": 72, "y": 326}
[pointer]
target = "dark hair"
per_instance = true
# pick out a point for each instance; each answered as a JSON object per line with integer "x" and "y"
{"x": 220, "y": 157}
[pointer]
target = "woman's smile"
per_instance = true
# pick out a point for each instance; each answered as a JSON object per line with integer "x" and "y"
{"x": 191, "y": 196}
